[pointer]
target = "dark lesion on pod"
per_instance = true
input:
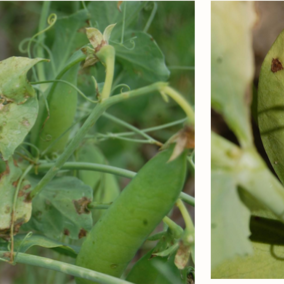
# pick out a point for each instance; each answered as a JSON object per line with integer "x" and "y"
{"x": 276, "y": 65}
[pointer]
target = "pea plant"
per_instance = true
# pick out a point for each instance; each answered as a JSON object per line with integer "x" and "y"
{"x": 60, "y": 198}
{"x": 247, "y": 197}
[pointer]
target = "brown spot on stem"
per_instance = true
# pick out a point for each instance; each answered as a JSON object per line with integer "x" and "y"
{"x": 276, "y": 65}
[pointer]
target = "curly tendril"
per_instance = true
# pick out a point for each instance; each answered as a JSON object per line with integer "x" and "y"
{"x": 121, "y": 85}
{"x": 51, "y": 21}
{"x": 131, "y": 41}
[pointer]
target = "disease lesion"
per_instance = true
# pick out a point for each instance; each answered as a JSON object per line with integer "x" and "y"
{"x": 276, "y": 65}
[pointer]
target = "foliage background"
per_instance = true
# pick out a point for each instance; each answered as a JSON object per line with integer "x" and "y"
{"x": 173, "y": 30}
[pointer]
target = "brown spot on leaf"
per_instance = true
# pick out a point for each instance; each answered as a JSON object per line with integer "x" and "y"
{"x": 103, "y": 43}
{"x": 21, "y": 193}
{"x": 81, "y": 205}
{"x": 15, "y": 183}
{"x": 7, "y": 209}
{"x": 82, "y": 233}
{"x": 26, "y": 187}
{"x": 66, "y": 232}
{"x": 276, "y": 65}
{"x": 6, "y": 172}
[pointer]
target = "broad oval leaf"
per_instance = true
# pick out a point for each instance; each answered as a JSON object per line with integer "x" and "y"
{"x": 61, "y": 209}
{"x": 232, "y": 64}
{"x": 9, "y": 180}
{"x": 271, "y": 105}
{"x": 145, "y": 60}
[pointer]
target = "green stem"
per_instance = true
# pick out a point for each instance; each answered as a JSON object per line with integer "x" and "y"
{"x": 187, "y": 219}
{"x": 106, "y": 169}
{"x": 95, "y": 205}
{"x": 129, "y": 126}
{"x": 181, "y": 101}
{"x": 107, "y": 57}
{"x": 123, "y": 22}
{"x": 75, "y": 142}
{"x": 114, "y": 136}
{"x": 181, "y": 68}
{"x": 15, "y": 205}
{"x": 66, "y": 268}
{"x": 39, "y": 51}
{"x": 89, "y": 167}
{"x": 187, "y": 198}
{"x": 154, "y": 128}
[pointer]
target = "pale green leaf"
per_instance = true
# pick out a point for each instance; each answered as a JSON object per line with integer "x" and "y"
{"x": 107, "y": 32}
{"x": 8, "y": 183}
{"x": 266, "y": 262}
{"x": 232, "y": 64}
{"x": 14, "y": 86}
{"x": 95, "y": 36}
{"x": 16, "y": 120}
{"x": 229, "y": 219}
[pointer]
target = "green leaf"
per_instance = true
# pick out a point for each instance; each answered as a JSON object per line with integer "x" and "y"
{"x": 61, "y": 209}
{"x": 229, "y": 219}
{"x": 232, "y": 64}
{"x": 15, "y": 123}
{"x": 8, "y": 183}
{"x": 104, "y": 13}
{"x": 266, "y": 262}
{"x": 18, "y": 103}
{"x": 23, "y": 243}
{"x": 271, "y": 105}
{"x": 145, "y": 60}
{"x": 14, "y": 86}
{"x": 69, "y": 36}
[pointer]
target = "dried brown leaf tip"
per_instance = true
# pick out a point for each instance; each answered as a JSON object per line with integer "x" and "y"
{"x": 118, "y": 5}
{"x": 276, "y": 65}
{"x": 184, "y": 140}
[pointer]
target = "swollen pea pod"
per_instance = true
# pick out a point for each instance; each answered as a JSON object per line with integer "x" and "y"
{"x": 117, "y": 236}
{"x": 270, "y": 103}
{"x": 62, "y": 103}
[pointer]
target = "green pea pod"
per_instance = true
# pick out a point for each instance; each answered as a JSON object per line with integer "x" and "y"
{"x": 146, "y": 270}
{"x": 270, "y": 102}
{"x": 117, "y": 236}
{"x": 62, "y": 105}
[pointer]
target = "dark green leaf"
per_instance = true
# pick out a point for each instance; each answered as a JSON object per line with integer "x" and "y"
{"x": 145, "y": 60}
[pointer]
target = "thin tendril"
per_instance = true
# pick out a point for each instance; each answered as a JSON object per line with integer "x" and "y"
{"x": 68, "y": 83}
{"x": 151, "y": 18}
{"x": 51, "y": 21}
{"x": 123, "y": 22}
{"x": 14, "y": 210}
{"x": 131, "y": 41}
{"x": 121, "y": 85}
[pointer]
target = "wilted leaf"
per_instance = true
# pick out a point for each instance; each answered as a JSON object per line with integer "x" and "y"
{"x": 232, "y": 64}
{"x": 61, "y": 209}
{"x": 18, "y": 103}
{"x": 182, "y": 255}
{"x": 14, "y": 86}
{"x": 8, "y": 183}
{"x": 15, "y": 123}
